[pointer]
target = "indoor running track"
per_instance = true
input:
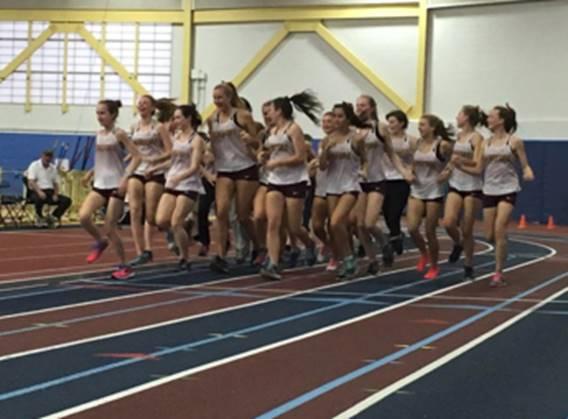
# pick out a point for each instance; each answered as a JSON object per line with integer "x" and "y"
{"x": 75, "y": 344}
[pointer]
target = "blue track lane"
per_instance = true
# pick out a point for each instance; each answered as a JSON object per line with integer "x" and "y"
{"x": 520, "y": 373}
{"x": 51, "y": 381}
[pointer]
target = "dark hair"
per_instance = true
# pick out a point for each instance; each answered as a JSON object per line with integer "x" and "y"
{"x": 306, "y": 102}
{"x": 440, "y": 129}
{"x": 509, "y": 116}
{"x": 47, "y": 153}
{"x": 166, "y": 108}
{"x": 400, "y": 116}
{"x": 327, "y": 113}
{"x": 203, "y": 135}
{"x": 351, "y": 115}
{"x": 373, "y": 103}
{"x": 190, "y": 111}
{"x": 112, "y": 106}
{"x": 247, "y": 104}
{"x": 475, "y": 115}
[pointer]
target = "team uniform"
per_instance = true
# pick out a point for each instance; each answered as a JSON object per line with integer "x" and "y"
{"x": 462, "y": 183}
{"x": 343, "y": 170}
{"x": 190, "y": 186}
{"x": 148, "y": 144}
{"x": 375, "y": 149}
{"x": 109, "y": 165}
{"x": 427, "y": 167}
{"x": 500, "y": 178}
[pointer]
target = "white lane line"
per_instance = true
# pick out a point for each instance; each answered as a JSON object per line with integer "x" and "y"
{"x": 191, "y": 371}
{"x": 387, "y": 391}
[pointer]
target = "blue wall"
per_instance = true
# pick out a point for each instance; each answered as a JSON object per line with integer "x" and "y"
{"x": 547, "y": 195}
{"x": 17, "y": 151}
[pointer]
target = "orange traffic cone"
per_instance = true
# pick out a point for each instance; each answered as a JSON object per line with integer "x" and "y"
{"x": 550, "y": 224}
{"x": 522, "y": 222}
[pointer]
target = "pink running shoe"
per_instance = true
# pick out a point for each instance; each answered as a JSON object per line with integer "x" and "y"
{"x": 432, "y": 273}
{"x": 331, "y": 265}
{"x": 97, "y": 251}
{"x": 422, "y": 262}
{"x": 497, "y": 280}
{"x": 122, "y": 273}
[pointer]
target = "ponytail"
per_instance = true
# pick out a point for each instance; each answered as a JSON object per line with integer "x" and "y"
{"x": 475, "y": 115}
{"x": 351, "y": 115}
{"x": 509, "y": 116}
{"x": 305, "y": 102}
{"x": 166, "y": 108}
{"x": 440, "y": 130}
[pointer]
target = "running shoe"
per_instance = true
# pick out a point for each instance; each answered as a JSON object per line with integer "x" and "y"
{"x": 220, "y": 265}
{"x": 497, "y": 280}
{"x": 183, "y": 265}
{"x": 311, "y": 255}
{"x": 323, "y": 254}
{"x": 122, "y": 273}
{"x": 331, "y": 265}
{"x": 388, "y": 255}
{"x": 172, "y": 246}
{"x": 350, "y": 267}
{"x": 456, "y": 253}
{"x": 143, "y": 258}
{"x": 432, "y": 273}
{"x": 96, "y": 251}
{"x": 468, "y": 272}
{"x": 293, "y": 257}
{"x": 373, "y": 268}
{"x": 270, "y": 272}
{"x": 422, "y": 262}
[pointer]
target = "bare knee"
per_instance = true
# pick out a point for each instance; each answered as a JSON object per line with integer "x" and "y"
{"x": 163, "y": 223}
{"x": 85, "y": 217}
{"x": 450, "y": 222}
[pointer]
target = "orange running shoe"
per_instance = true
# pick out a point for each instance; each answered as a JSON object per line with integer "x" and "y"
{"x": 122, "y": 273}
{"x": 432, "y": 273}
{"x": 331, "y": 265}
{"x": 422, "y": 262}
{"x": 497, "y": 280}
{"x": 97, "y": 251}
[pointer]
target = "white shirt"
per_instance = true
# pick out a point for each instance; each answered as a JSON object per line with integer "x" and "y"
{"x": 45, "y": 177}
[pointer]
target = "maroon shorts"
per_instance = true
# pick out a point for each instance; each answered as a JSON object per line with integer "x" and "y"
{"x": 293, "y": 190}
{"x": 354, "y": 193}
{"x": 193, "y": 195}
{"x": 250, "y": 174}
{"x": 369, "y": 187}
{"x": 491, "y": 201}
{"x": 161, "y": 179}
{"x": 108, "y": 193}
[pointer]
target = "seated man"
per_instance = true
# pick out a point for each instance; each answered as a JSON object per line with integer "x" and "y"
{"x": 43, "y": 188}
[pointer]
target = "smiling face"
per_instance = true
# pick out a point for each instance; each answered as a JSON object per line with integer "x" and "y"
{"x": 461, "y": 119}
{"x": 494, "y": 120}
{"x": 104, "y": 117}
{"x": 221, "y": 98}
{"x": 328, "y": 123}
{"x": 363, "y": 107}
{"x": 395, "y": 126}
{"x": 266, "y": 109}
{"x": 180, "y": 121}
{"x": 340, "y": 118}
{"x": 424, "y": 128}
{"x": 145, "y": 106}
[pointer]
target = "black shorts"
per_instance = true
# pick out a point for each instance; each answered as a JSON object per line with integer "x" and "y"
{"x": 293, "y": 190}
{"x": 108, "y": 193}
{"x": 491, "y": 201}
{"x": 354, "y": 193}
{"x": 250, "y": 174}
{"x": 193, "y": 195}
{"x": 161, "y": 178}
{"x": 369, "y": 187}
{"x": 439, "y": 200}
{"x": 465, "y": 194}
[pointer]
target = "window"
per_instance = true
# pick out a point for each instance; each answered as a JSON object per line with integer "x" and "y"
{"x": 84, "y": 64}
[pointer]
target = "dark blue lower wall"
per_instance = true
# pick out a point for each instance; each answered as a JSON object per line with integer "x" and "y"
{"x": 17, "y": 151}
{"x": 547, "y": 195}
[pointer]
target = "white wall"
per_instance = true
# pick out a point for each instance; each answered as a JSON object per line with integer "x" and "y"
{"x": 304, "y": 61}
{"x": 491, "y": 55}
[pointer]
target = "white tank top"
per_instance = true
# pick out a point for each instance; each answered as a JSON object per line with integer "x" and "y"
{"x": 321, "y": 180}
{"x": 109, "y": 161}
{"x": 459, "y": 179}
{"x": 500, "y": 176}
{"x": 148, "y": 144}
{"x": 401, "y": 147}
{"x": 181, "y": 161}
{"x": 281, "y": 146}
{"x": 343, "y": 169}
{"x": 427, "y": 167}
{"x": 375, "y": 150}
{"x": 231, "y": 154}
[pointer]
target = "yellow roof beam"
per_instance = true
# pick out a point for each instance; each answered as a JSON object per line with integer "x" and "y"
{"x": 87, "y": 15}
{"x": 107, "y": 57}
{"x": 271, "y": 14}
{"x": 363, "y": 68}
{"x": 421, "y": 65}
{"x": 27, "y": 52}
{"x": 254, "y": 63}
